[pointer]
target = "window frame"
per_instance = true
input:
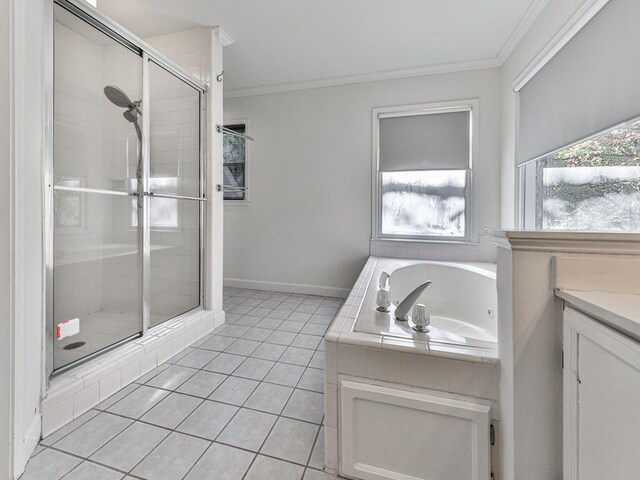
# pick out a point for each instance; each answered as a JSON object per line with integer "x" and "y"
{"x": 466, "y": 105}
{"x": 246, "y": 200}
{"x": 528, "y": 184}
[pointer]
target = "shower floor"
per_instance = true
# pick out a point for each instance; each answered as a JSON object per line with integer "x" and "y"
{"x": 244, "y": 403}
{"x": 97, "y": 330}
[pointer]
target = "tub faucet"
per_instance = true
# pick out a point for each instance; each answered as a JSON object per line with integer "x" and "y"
{"x": 404, "y": 307}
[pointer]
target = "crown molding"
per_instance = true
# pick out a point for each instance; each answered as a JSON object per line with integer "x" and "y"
{"x": 363, "y": 78}
{"x": 223, "y": 37}
{"x": 527, "y": 20}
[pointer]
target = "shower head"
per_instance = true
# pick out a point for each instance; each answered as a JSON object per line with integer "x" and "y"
{"x": 131, "y": 115}
{"x": 122, "y": 100}
{"x": 118, "y": 97}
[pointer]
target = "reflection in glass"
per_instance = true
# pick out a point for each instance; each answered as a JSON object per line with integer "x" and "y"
{"x": 67, "y": 206}
{"x": 175, "y": 134}
{"x": 99, "y": 203}
{"x": 97, "y": 259}
{"x": 175, "y": 263}
{"x": 174, "y": 170}
{"x": 427, "y": 203}
{"x": 97, "y": 278}
{"x": 163, "y": 212}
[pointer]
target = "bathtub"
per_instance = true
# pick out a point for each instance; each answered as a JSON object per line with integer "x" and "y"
{"x": 441, "y": 387}
{"x": 462, "y": 300}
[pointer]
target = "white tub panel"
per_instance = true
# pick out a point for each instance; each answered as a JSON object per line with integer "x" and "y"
{"x": 389, "y": 433}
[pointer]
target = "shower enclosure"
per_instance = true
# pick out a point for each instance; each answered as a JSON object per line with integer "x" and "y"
{"x": 125, "y": 196}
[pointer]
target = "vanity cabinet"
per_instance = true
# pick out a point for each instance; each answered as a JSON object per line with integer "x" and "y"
{"x": 601, "y": 401}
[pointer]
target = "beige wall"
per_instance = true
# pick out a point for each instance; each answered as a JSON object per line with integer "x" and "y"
{"x": 309, "y": 218}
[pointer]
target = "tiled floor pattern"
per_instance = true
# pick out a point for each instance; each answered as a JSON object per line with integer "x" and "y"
{"x": 244, "y": 403}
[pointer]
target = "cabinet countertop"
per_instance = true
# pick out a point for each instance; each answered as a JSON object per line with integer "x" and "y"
{"x": 620, "y": 311}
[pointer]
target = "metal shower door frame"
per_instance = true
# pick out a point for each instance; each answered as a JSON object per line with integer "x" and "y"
{"x": 148, "y": 54}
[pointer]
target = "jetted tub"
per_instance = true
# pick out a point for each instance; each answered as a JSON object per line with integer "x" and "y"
{"x": 441, "y": 387}
{"x": 462, "y": 300}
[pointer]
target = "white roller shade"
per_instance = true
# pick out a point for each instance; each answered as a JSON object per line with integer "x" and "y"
{"x": 435, "y": 141}
{"x": 590, "y": 85}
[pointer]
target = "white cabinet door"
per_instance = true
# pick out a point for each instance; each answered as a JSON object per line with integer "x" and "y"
{"x": 601, "y": 401}
{"x": 391, "y": 434}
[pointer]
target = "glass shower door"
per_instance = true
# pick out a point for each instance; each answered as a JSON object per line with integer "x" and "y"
{"x": 175, "y": 196}
{"x": 97, "y": 240}
{"x": 124, "y": 190}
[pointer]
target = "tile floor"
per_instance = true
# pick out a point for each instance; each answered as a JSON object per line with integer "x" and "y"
{"x": 244, "y": 403}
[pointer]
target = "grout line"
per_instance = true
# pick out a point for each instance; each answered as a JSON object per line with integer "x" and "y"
{"x": 175, "y": 358}
{"x": 315, "y": 442}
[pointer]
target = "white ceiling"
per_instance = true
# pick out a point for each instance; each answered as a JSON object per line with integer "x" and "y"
{"x": 284, "y": 44}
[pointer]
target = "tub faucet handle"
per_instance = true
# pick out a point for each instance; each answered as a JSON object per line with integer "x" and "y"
{"x": 382, "y": 299}
{"x": 384, "y": 281}
{"x": 421, "y": 318}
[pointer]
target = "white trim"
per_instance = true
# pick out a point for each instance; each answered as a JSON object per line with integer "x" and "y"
{"x": 584, "y": 14}
{"x": 518, "y": 176}
{"x": 363, "y": 78}
{"x": 302, "y": 288}
{"x": 247, "y": 174}
{"x": 577, "y": 325}
{"x": 24, "y": 326}
{"x": 223, "y": 37}
{"x": 618, "y": 243}
{"x": 472, "y": 105}
{"x": 527, "y": 20}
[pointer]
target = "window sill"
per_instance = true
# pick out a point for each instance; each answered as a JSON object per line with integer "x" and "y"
{"x": 238, "y": 203}
{"x": 426, "y": 241}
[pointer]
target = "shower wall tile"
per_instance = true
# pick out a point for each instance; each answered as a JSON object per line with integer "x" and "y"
{"x": 482, "y": 251}
{"x": 78, "y": 158}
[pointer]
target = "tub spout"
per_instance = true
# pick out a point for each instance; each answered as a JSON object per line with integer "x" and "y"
{"x": 404, "y": 307}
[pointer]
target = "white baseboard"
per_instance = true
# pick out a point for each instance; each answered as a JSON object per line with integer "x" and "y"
{"x": 287, "y": 287}
{"x": 219, "y": 319}
{"x": 25, "y": 449}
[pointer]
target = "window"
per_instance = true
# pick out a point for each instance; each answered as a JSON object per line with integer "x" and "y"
{"x": 235, "y": 164}
{"x": 424, "y": 203}
{"x": 422, "y": 167}
{"x": 593, "y": 185}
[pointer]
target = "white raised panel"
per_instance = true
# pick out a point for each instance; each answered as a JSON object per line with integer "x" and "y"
{"x": 601, "y": 395}
{"x": 389, "y": 433}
